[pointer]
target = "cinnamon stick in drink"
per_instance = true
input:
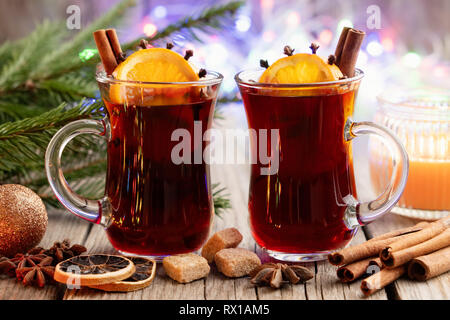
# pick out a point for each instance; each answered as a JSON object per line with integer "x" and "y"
{"x": 105, "y": 50}
{"x": 407, "y": 241}
{"x": 396, "y": 258}
{"x": 114, "y": 42}
{"x": 353, "y": 271}
{"x": 381, "y": 279}
{"x": 347, "y": 50}
{"x": 429, "y": 266}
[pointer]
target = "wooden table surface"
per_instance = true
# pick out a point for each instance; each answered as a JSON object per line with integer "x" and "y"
{"x": 235, "y": 178}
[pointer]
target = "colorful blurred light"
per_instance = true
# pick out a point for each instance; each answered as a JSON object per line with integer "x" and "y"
{"x": 293, "y": 18}
{"x": 269, "y": 36}
{"x": 160, "y": 12}
{"x": 150, "y": 30}
{"x": 267, "y": 4}
{"x": 388, "y": 44}
{"x": 325, "y": 37}
{"x": 243, "y": 23}
{"x": 87, "y": 54}
{"x": 344, "y": 23}
{"x": 374, "y": 48}
{"x": 411, "y": 59}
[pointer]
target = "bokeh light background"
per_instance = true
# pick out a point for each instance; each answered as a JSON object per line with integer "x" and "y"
{"x": 411, "y": 49}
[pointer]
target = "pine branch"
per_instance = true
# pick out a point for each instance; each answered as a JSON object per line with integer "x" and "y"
{"x": 212, "y": 18}
{"x": 23, "y": 143}
{"x": 221, "y": 201}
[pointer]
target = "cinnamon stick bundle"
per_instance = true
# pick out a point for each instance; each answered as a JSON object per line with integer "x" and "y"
{"x": 408, "y": 241}
{"x": 347, "y": 50}
{"x": 109, "y": 49}
{"x": 361, "y": 251}
{"x": 429, "y": 266}
{"x": 353, "y": 271}
{"x": 381, "y": 279}
{"x": 396, "y": 258}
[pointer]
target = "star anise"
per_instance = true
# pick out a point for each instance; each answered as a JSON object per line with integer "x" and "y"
{"x": 36, "y": 273}
{"x": 275, "y": 274}
{"x": 63, "y": 250}
{"x": 7, "y": 267}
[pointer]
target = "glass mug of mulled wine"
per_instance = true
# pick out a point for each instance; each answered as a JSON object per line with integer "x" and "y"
{"x": 152, "y": 206}
{"x": 307, "y": 206}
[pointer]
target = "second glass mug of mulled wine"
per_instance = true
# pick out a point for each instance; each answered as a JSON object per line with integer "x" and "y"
{"x": 152, "y": 206}
{"x": 306, "y": 206}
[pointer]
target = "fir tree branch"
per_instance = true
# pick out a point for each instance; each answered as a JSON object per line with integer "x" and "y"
{"x": 23, "y": 142}
{"x": 210, "y": 18}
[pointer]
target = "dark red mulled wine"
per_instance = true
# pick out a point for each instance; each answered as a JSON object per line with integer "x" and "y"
{"x": 158, "y": 207}
{"x": 300, "y": 209}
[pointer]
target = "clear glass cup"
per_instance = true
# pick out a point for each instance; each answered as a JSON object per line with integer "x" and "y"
{"x": 421, "y": 120}
{"x": 154, "y": 205}
{"x": 306, "y": 206}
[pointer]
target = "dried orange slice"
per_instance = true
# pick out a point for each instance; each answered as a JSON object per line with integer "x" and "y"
{"x": 151, "y": 65}
{"x": 141, "y": 278}
{"x": 95, "y": 269}
{"x": 300, "y": 68}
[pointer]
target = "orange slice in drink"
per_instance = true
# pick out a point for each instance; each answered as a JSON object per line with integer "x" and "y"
{"x": 152, "y": 65}
{"x": 300, "y": 68}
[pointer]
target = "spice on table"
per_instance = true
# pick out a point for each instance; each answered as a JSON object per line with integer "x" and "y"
{"x": 355, "y": 270}
{"x": 36, "y": 274}
{"x": 430, "y": 265}
{"x": 381, "y": 279}
{"x": 275, "y": 274}
{"x": 63, "y": 250}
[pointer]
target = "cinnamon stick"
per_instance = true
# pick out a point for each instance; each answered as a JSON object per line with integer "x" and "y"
{"x": 381, "y": 279}
{"x": 353, "y": 271}
{"x": 425, "y": 234}
{"x": 361, "y": 251}
{"x": 105, "y": 50}
{"x": 429, "y": 266}
{"x": 397, "y": 258}
{"x": 395, "y": 233}
{"x": 114, "y": 42}
{"x": 340, "y": 45}
{"x": 347, "y": 50}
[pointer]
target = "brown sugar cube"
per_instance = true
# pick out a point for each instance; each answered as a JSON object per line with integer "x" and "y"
{"x": 236, "y": 262}
{"x": 227, "y": 238}
{"x": 186, "y": 268}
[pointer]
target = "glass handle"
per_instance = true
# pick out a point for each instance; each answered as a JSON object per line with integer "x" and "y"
{"x": 95, "y": 211}
{"x": 362, "y": 213}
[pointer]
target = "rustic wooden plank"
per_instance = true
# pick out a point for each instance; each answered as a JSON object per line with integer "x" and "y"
{"x": 405, "y": 289}
{"x": 61, "y": 225}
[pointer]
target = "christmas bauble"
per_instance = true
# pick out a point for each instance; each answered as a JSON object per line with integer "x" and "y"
{"x": 23, "y": 219}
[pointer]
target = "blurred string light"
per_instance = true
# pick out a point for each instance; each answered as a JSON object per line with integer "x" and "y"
{"x": 411, "y": 59}
{"x": 243, "y": 23}
{"x": 159, "y": 12}
{"x": 87, "y": 54}
{"x": 293, "y": 18}
{"x": 344, "y": 23}
{"x": 374, "y": 48}
{"x": 325, "y": 37}
{"x": 267, "y": 4}
{"x": 269, "y": 36}
{"x": 388, "y": 44}
{"x": 150, "y": 30}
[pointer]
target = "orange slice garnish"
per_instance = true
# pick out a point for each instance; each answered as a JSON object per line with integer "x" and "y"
{"x": 152, "y": 65}
{"x": 300, "y": 68}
